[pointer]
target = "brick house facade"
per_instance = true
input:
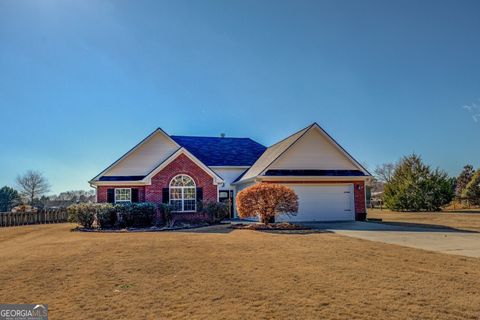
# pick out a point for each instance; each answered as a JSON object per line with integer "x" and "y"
{"x": 220, "y": 167}
{"x": 155, "y": 192}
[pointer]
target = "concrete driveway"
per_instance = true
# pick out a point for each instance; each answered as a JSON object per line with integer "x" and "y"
{"x": 451, "y": 241}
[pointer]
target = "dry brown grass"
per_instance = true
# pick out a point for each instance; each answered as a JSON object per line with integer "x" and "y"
{"x": 458, "y": 220}
{"x": 231, "y": 274}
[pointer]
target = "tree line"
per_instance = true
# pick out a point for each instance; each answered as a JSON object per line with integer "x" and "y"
{"x": 412, "y": 185}
{"x": 31, "y": 189}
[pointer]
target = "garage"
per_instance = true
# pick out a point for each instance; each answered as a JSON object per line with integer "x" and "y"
{"x": 323, "y": 203}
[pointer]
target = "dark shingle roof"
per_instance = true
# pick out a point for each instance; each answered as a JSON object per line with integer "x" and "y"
{"x": 320, "y": 173}
{"x": 121, "y": 178}
{"x": 216, "y": 151}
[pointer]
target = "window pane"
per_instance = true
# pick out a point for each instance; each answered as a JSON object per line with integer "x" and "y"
{"x": 176, "y": 182}
{"x": 176, "y": 204}
{"x": 122, "y": 195}
{"x": 175, "y": 193}
{"x": 187, "y": 181}
{"x": 189, "y": 205}
{"x": 189, "y": 193}
{"x": 182, "y": 181}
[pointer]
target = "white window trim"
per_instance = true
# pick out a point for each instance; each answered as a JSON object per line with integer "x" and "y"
{"x": 122, "y": 201}
{"x": 182, "y": 188}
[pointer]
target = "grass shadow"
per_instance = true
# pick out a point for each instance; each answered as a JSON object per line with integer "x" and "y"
{"x": 215, "y": 229}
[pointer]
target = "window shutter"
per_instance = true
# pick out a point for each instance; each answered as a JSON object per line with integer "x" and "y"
{"x": 165, "y": 195}
{"x": 111, "y": 195}
{"x": 134, "y": 194}
{"x": 199, "y": 194}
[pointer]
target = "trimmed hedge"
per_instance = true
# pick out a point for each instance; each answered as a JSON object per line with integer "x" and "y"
{"x": 167, "y": 213}
{"x": 106, "y": 215}
{"x": 83, "y": 214}
{"x": 136, "y": 215}
{"x": 215, "y": 211}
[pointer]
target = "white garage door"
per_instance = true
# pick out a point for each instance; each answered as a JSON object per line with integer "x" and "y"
{"x": 323, "y": 203}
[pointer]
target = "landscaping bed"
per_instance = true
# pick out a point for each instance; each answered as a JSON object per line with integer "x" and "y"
{"x": 270, "y": 226}
{"x": 177, "y": 226}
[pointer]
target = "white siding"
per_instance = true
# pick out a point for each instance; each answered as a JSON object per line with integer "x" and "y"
{"x": 271, "y": 154}
{"x": 228, "y": 175}
{"x": 313, "y": 151}
{"x": 239, "y": 188}
{"x": 145, "y": 158}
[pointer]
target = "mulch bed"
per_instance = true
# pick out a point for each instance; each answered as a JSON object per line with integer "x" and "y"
{"x": 270, "y": 226}
{"x": 179, "y": 226}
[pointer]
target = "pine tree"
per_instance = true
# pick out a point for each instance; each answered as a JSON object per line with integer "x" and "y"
{"x": 463, "y": 179}
{"x": 9, "y": 198}
{"x": 416, "y": 187}
{"x": 472, "y": 190}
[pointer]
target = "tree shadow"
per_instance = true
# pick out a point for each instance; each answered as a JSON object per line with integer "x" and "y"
{"x": 384, "y": 226}
{"x": 295, "y": 232}
{"x": 419, "y": 227}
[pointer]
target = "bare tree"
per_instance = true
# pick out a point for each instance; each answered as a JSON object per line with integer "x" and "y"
{"x": 32, "y": 185}
{"x": 384, "y": 172}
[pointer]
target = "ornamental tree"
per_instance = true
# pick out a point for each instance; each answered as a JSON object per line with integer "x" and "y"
{"x": 266, "y": 201}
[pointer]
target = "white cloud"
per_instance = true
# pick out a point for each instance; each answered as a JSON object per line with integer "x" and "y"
{"x": 474, "y": 110}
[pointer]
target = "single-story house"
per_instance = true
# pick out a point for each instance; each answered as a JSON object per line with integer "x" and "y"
{"x": 182, "y": 170}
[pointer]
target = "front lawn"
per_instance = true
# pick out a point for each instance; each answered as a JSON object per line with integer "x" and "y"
{"x": 463, "y": 220}
{"x": 216, "y": 272}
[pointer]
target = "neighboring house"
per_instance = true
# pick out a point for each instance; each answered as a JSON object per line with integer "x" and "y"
{"x": 182, "y": 170}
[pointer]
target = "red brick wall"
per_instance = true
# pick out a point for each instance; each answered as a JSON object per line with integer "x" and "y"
{"x": 358, "y": 193}
{"x": 153, "y": 193}
{"x": 360, "y": 205}
{"x": 181, "y": 165}
{"x": 102, "y": 192}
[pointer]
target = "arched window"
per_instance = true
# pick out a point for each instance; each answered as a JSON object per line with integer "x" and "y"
{"x": 183, "y": 193}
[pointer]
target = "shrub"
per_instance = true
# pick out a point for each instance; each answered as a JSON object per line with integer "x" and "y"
{"x": 167, "y": 212}
{"x": 266, "y": 200}
{"x": 136, "y": 215}
{"x": 106, "y": 215}
{"x": 215, "y": 211}
{"x": 416, "y": 187}
{"x": 83, "y": 214}
{"x": 472, "y": 190}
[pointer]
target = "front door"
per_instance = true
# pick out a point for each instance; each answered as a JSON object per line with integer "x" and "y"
{"x": 227, "y": 196}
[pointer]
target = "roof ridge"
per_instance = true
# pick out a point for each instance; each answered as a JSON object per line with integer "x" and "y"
{"x": 185, "y": 136}
{"x": 305, "y": 128}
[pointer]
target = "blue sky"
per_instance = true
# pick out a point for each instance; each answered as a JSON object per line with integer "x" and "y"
{"x": 81, "y": 82}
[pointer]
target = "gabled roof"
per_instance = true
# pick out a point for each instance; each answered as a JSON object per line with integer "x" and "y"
{"x": 217, "y": 151}
{"x": 275, "y": 151}
{"x": 147, "y": 179}
{"x": 151, "y": 135}
{"x": 175, "y": 155}
{"x": 272, "y": 153}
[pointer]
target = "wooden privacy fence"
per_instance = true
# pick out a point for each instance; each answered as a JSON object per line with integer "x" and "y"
{"x": 10, "y": 219}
